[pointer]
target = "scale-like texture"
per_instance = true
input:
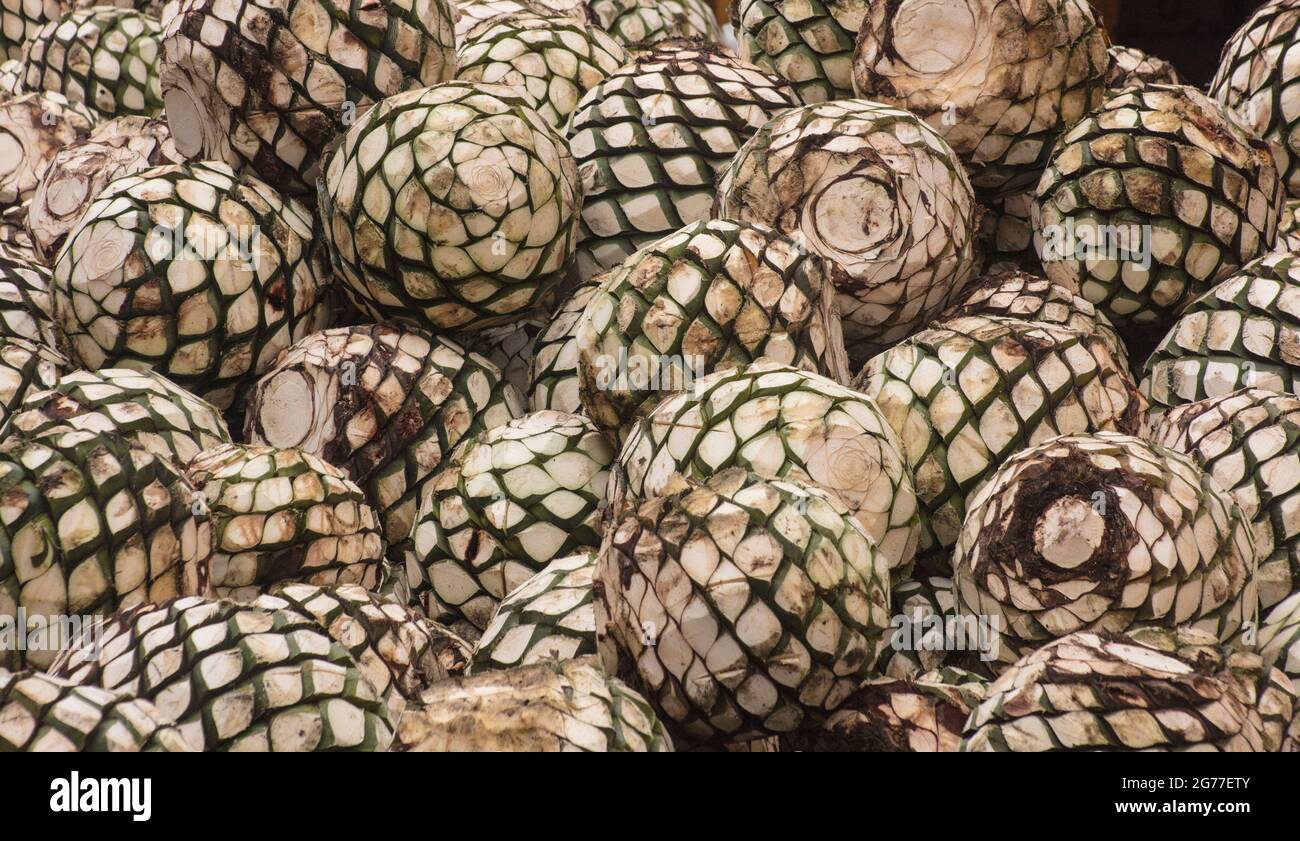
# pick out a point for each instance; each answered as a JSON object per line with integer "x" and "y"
{"x": 809, "y": 42}
{"x": 25, "y": 301}
{"x": 25, "y": 367}
{"x": 33, "y": 127}
{"x": 1131, "y": 67}
{"x": 1279, "y": 636}
{"x": 549, "y": 617}
{"x": 553, "y": 371}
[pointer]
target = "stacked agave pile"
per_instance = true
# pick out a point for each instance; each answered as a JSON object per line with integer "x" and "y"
{"x": 546, "y": 375}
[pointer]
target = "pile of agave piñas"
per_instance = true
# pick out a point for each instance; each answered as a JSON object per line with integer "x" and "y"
{"x": 542, "y": 375}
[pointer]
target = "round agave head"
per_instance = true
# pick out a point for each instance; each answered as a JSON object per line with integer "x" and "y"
{"x": 712, "y": 296}
{"x": 33, "y": 126}
{"x": 273, "y": 109}
{"x": 966, "y": 394}
{"x": 747, "y": 606}
{"x": 783, "y": 423}
{"x": 44, "y": 714}
{"x": 472, "y": 16}
{"x": 1279, "y": 636}
{"x": 93, "y": 522}
{"x": 921, "y": 715}
{"x": 809, "y": 43}
{"x": 1131, "y": 67}
{"x": 236, "y": 677}
{"x": 384, "y": 403}
{"x": 455, "y": 205}
{"x": 399, "y": 651}
{"x": 1102, "y": 533}
{"x": 284, "y": 515}
{"x": 1151, "y": 200}
{"x": 104, "y": 57}
{"x": 638, "y": 23}
{"x": 25, "y": 302}
{"x": 1102, "y": 691}
{"x": 20, "y": 20}
{"x": 872, "y": 189}
{"x": 548, "y": 617}
{"x": 1249, "y": 441}
{"x": 555, "y": 60}
{"x": 1028, "y": 297}
{"x": 25, "y": 367}
{"x": 194, "y": 271}
{"x": 1256, "y": 81}
{"x": 140, "y": 405}
{"x": 1288, "y": 228}
{"x": 553, "y": 371}
{"x": 1240, "y": 334}
{"x": 79, "y": 170}
{"x": 1008, "y": 80}
{"x": 513, "y": 499}
{"x": 651, "y": 138}
{"x": 569, "y": 705}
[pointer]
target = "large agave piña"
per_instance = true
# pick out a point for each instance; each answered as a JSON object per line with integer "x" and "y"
{"x": 779, "y": 422}
{"x": 550, "y": 616}
{"x": 93, "y": 522}
{"x": 79, "y": 170}
{"x": 1240, "y": 334}
{"x": 384, "y": 403}
{"x": 455, "y": 206}
{"x": 651, "y": 138}
{"x": 746, "y": 606}
{"x": 1152, "y": 690}
{"x": 712, "y": 296}
{"x": 548, "y": 707}
{"x": 192, "y": 270}
{"x": 25, "y": 311}
{"x": 1131, "y": 67}
{"x": 1256, "y": 81}
{"x": 1103, "y": 532}
{"x": 1008, "y": 78}
{"x": 25, "y": 367}
{"x": 1249, "y": 441}
{"x": 511, "y": 500}
{"x": 554, "y": 60}
{"x": 283, "y": 515}
{"x": 398, "y": 650}
{"x": 553, "y": 370}
{"x": 44, "y": 714}
{"x": 20, "y": 20}
{"x": 143, "y": 406}
{"x": 267, "y": 85}
{"x": 966, "y": 394}
{"x": 925, "y": 714}
{"x": 1151, "y": 200}
{"x": 1018, "y": 294}
{"x": 33, "y": 127}
{"x": 637, "y": 23}
{"x": 104, "y": 57}
{"x": 809, "y": 43}
{"x": 236, "y": 677}
{"x": 875, "y": 191}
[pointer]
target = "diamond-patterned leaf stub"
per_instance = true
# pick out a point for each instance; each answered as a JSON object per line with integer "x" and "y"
{"x": 779, "y": 422}
{"x": 1151, "y": 200}
{"x": 26, "y": 367}
{"x": 549, "y": 617}
{"x": 25, "y": 309}
{"x": 966, "y": 394}
{"x": 106, "y": 58}
{"x": 266, "y": 85}
{"x": 284, "y": 515}
{"x": 194, "y": 271}
{"x": 553, "y": 369}
{"x": 1103, "y": 532}
{"x": 44, "y": 714}
{"x": 384, "y": 403}
{"x": 875, "y": 191}
{"x": 712, "y": 296}
{"x": 747, "y": 606}
{"x": 1258, "y": 82}
{"x": 639, "y": 23}
{"x": 237, "y": 677}
{"x": 1249, "y": 441}
{"x": 1279, "y": 636}
{"x": 1243, "y": 333}
{"x": 20, "y": 20}
{"x": 510, "y": 501}
{"x": 809, "y": 43}
{"x": 454, "y": 206}
{"x": 1131, "y": 67}
{"x": 557, "y": 706}
{"x": 1102, "y": 691}
{"x": 91, "y": 523}
{"x": 651, "y": 139}
{"x": 143, "y": 406}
